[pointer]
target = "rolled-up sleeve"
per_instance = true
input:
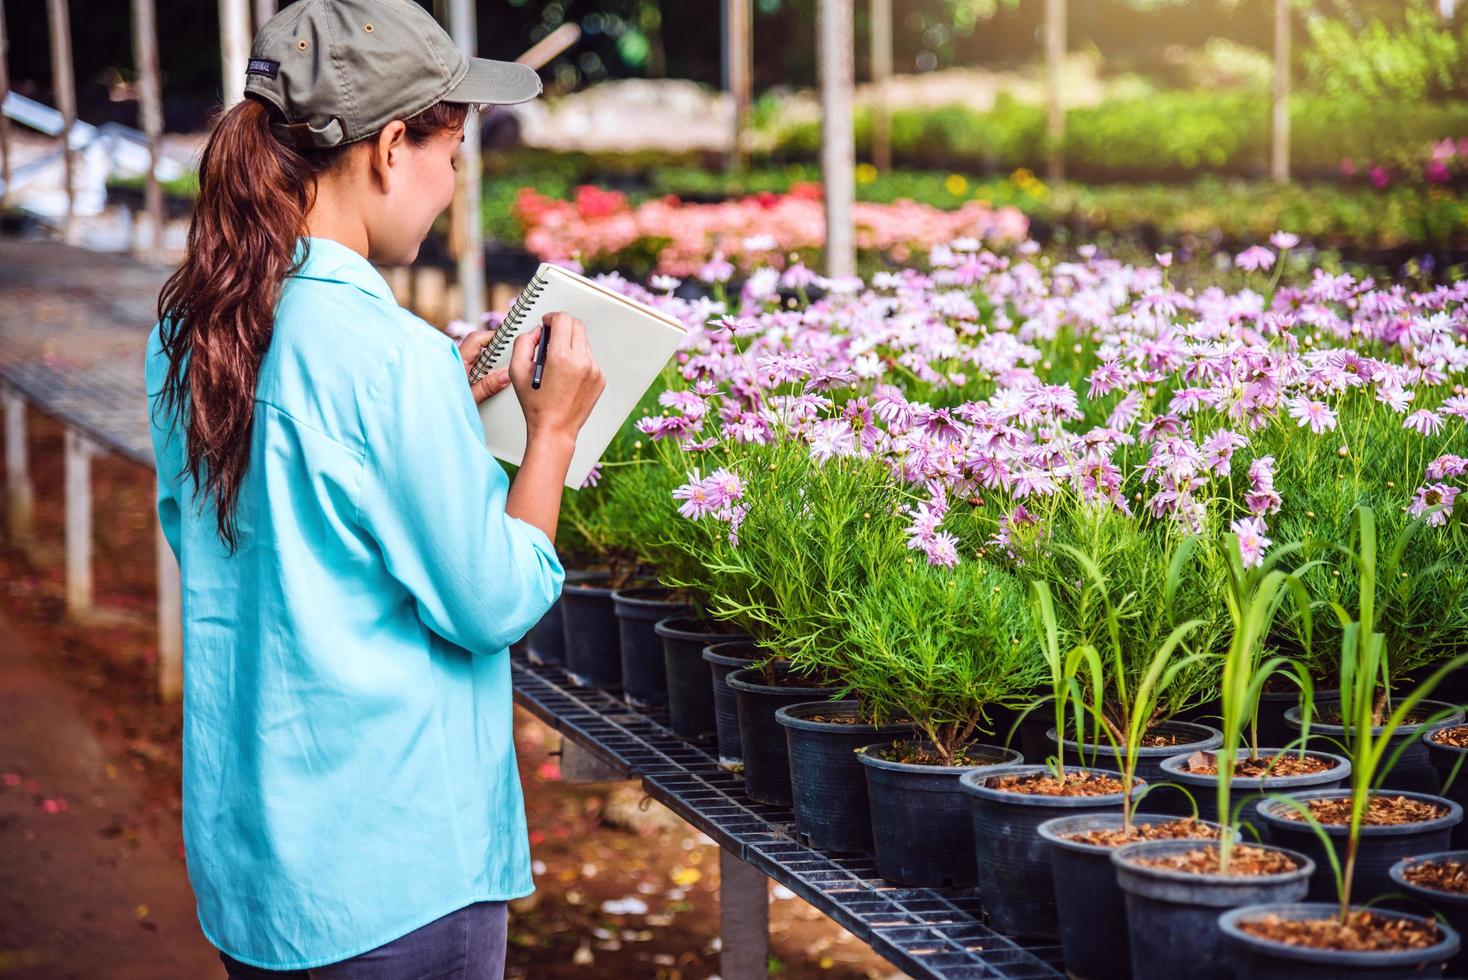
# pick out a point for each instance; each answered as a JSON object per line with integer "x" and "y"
{"x": 433, "y": 498}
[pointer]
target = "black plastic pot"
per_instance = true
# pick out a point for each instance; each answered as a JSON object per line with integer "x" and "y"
{"x": 1264, "y": 959}
{"x": 546, "y": 641}
{"x": 922, "y": 832}
{"x": 1451, "y": 765}
{"x": 1450, "y": 906}
{"x": 1161, "y": 798}
{"x": 1246, "y": 792}
{"x": 1379, "y": 849}
{"x": 1172, "y": 916}
{"x": 690, "y": 689}
{"x": 1273, "y": 729}
{"x": 593, "y": 644}
{"x": 1089, "y": 903}
{"x": 827, "y": 783}
{"x": 1015, "y": 883}
{"x": 723, "y": 659}
{"x": 1413, "y": 772}
{"x": 644, "y": 677}
{"x": 761, "y": 737}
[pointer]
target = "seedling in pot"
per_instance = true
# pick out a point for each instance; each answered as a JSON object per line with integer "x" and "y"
{"x": 1370, "y": 728}
{"x": 1120, "y": 706}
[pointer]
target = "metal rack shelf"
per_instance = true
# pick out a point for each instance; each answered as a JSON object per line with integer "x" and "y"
{"x": 925, "y": 932}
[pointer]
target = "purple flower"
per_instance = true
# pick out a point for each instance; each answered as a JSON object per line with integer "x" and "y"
{"x": 1254, "y": 258}
{"x": 831, "y": 437}
{"x": 698, "y": 499}
{"x": 1252, "y": 542}
{"x": 1436, "y": 501}
{"x": 1315, "y": 414}
{"x": 1423, "y": 422}
{"x": 1283, "y": 240}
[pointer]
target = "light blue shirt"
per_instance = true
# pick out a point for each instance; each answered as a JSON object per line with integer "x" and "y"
{"x": 348, "y": 762}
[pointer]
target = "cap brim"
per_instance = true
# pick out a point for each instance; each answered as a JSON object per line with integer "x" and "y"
{"x": 496, "y": 83}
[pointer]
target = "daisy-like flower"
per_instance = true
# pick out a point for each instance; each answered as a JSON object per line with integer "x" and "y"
{"x": 1252, "y": 542}
{"x": 1392, "y": 394}
{"x": 1436, "y": 501}
{"x": 716, "y": 269}
{"x": 1284, "y": 240}
{"x": 723, "y": 487}
{"x": 1164, "y": 259}
{"x": 1254, "y": 258}
{"x": 665, "y": 283}
{"x": 942, "y": 550}
{"x": 1316, "y": 414}
{"x": 1423, "y": 422}
{"x": 698, "y": 499}
{"x": 832, "y": 437}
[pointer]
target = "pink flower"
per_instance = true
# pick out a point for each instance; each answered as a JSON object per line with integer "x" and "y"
{"x": 1252, "y": 542}
{"x": 1316, "y": 414}
{"x": 1436, "y": 501}
{"x": 698, "y": 499}
{"x": 592, "y": 478}
{"x": 1423, "y": 422}
{"x": 1254, "y": 258}
{"x": 1164, "y": 259}
{"x": 1283, "y": 240}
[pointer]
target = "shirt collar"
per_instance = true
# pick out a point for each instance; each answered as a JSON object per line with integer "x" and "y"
{"x": 331, "y": 261}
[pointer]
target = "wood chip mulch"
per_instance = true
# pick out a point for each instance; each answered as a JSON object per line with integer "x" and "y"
{"x": 1442, "y": 876}
{"x": 1383, "y": 811}
{"x": 1456, "y": 736}
{"x": 1244, "y": 861}
{"x": 1185, "y": 829}
{"x": 1285, "y": 764}
{"x": 1045, "y": 784}
{"x": 1363, "y": 931}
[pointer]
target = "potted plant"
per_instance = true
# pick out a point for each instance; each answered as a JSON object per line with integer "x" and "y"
{"x": 1440, "y": 882}
{"x": 722, "y": 660}
{"x": 1447, "y": 749}
{"x": 759, "y": 692}
{"x": 1128, "y": 625}
{"x": 690, "y": 687}
{"x": 1361, "y": 832}
{"x": 1009, "y": 807}
{"x": 1175, "y": 889}
{"x": 1255, "y": 596}
{"x": 941, "y": 650}
{"x": 1357, "y": 834}
{"x": 644, "y": 672}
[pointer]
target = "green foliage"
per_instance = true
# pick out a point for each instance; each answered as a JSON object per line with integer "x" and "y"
{"x": 1418, "y": 57}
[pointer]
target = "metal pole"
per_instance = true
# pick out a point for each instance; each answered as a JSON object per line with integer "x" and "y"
{"x": 738, "y": 73}
{"x": 1055, "y": 111}
{"x": 264, "y": 10}
{"x": 881, "y": 76}
{"x": 4, "y": 119}
{"x": 835, "y": 42}
{"x": 1279, "y": 157}
{"x": 234, "y": 49}
{"x": 150, "y": 111}
{"x": 20, "y": 493}
{"x": 64, "y": 82}
{"x": 78, "y": 534}
{"x": 744, "y": 919}
{"x": 471, "y": 257}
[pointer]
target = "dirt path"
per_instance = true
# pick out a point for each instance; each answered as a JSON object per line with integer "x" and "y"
{"x": 83, "y": 881}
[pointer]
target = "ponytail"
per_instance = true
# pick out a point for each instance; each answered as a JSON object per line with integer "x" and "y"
{"x": 217, "y": 311}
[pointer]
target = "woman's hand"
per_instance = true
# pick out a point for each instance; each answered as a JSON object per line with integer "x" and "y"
{"x": 570, "y": 383}
{"x": 492, "y": 383}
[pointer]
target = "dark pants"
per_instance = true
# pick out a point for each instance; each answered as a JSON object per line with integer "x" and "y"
{"x": 465, "y": 945}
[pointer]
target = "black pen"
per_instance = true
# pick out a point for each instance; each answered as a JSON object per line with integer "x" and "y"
{"x": 540, "y": 349}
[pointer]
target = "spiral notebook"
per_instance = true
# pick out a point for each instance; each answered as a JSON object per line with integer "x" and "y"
{"x": 630, "y": 341}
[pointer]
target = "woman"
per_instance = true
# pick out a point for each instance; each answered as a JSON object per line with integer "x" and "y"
{"x": 354, "y": 562}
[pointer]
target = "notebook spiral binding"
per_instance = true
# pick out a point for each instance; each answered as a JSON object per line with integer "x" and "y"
{"x": 509, "y": 328}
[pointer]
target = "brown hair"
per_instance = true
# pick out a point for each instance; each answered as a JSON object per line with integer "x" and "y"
{"x": 217, "y": 311}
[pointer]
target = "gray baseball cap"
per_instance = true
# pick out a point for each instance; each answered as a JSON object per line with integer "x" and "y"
{"x": 340, "y": 70}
